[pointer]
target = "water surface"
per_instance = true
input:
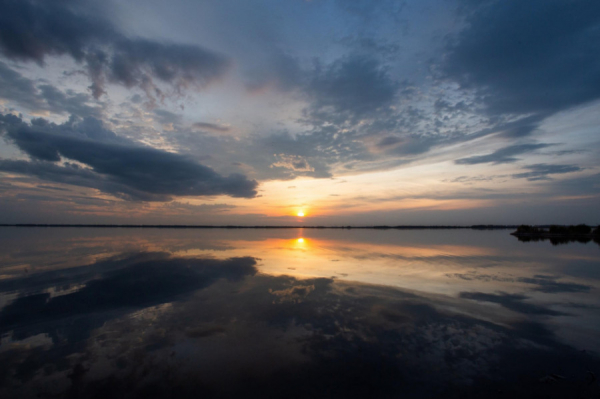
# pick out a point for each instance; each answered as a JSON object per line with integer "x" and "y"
{"x": 296, "y": 313}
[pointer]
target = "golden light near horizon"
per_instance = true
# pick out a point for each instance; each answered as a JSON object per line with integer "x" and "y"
{"x": 301, "y": 244}
{"x": 300, "y": 214}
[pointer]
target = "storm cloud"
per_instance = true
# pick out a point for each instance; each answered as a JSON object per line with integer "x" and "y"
{"x": 115, "y": 165}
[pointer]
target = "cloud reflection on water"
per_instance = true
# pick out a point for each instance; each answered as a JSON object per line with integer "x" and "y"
{"x": 317, "y": 314}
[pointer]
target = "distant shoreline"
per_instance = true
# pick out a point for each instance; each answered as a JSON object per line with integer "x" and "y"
{"x": 164, "y": 226}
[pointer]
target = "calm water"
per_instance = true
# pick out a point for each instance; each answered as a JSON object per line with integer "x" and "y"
{"x": 112, "y": 313}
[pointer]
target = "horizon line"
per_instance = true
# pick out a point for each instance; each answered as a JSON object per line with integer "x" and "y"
{"x": 179, "y": 226}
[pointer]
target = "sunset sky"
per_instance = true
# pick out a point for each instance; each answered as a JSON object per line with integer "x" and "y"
{"x": 352, "y": 112}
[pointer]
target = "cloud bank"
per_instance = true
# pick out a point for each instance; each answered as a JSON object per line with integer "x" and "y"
{"x": 112, "y": 164}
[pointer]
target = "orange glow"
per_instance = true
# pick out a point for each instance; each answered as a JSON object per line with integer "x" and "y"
{"x": 323, "y": 254}
{"x": 301, "y": 214}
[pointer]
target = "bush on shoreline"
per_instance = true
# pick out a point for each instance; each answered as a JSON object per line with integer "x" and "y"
{"x": 525, "y": 228}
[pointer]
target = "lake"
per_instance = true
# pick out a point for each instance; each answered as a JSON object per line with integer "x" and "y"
{"x": 296, "y": 313}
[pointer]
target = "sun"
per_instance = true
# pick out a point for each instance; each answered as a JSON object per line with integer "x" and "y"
{"x": 300, "y": 214}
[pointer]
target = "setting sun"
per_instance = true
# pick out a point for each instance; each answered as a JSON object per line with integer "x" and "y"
{"x": 301, "y": 214}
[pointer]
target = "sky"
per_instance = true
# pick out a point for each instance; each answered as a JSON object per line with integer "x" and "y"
{"x": 362, "y": 112}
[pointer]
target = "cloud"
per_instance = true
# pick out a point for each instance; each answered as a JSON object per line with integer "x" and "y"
{"x": 548, "y": 284}
{"x": 541, "y": 171}
{"x": 442, "y": 105}
{"x": 380, "y": 47}
{"x": 470, "y": 179}
{"x": 114, "y": 286}
{"x": 503, "y": 155}
{"x": 166, "y": 118}
{"x": 512, "y": 302}
{"x": 538, "y": 57}
{"x": 389, "y": 141}
{"x": 293, "y": 162}
{"x": 31, "y": 30}
{"x": 581, "y": 186}
{"x": 211, "y": 126}
{"x": 114, "y": 165}
{"x": 44, "y": 97}
{"x": 348, "y": 90}
{"x": 383, "y": 339}
{"x": 278, "y": 69}
{"x": 542, "y": 283}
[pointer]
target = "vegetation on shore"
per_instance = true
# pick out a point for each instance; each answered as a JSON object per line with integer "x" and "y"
{"x": 558, "y": 234}
{"x": 555, "y": 230}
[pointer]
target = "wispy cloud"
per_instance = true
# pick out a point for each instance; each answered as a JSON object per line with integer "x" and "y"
{"x": 503, "y": 155}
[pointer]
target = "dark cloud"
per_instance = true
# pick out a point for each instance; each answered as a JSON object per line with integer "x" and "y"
{"x": 349, "y": 90}
{"x": 503, "y": 155}
{"x": 537, "y": 57}
{"x": 116, "y": 165}
{"x": 42, "y": 96}
{"x": 541, "y": 171}
{"x": 16, "y": 87}
{"x": 31, "y": 30}
{"x": 514, "y": 302}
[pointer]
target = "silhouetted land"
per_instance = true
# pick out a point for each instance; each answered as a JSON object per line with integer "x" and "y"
{"x": 558, "y": 234}
{"x": 177, "y": 226}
